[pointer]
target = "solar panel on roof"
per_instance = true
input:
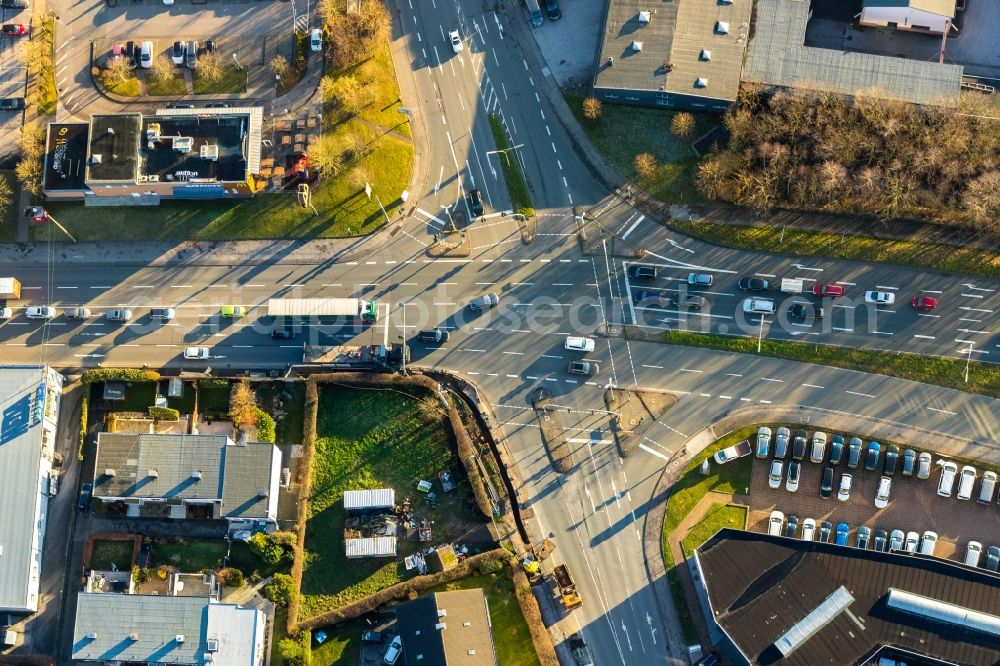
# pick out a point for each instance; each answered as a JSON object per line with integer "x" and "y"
{"x": 941, "y": 611}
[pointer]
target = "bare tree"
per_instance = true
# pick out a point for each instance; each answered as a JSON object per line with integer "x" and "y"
{"x": 117, "y": 71}
{"x": 981, "y": 199}
{"x": 325, "y": 155}
{"x": 6, "y": 195}
{"x": 210, "y": 66}
{"x": 358, "y": 176}
{"x": 356, "y": 36}
{"x": 349, "y": 94}
{"x": 242, "y": 405}
{"x": 279, "y": 65}
{"x": 682, "y": 124}
{"x": 32, "y": 140}
{"x": 29, "y": 172}
{"x": 33, "y": 51}
{"x": 592, "y": 108}
{"x": 162, "y": 69}
{"x": 644, "y": 165}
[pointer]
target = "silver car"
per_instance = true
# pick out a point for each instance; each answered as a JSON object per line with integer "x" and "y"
{"x": 818, "y": 447}
{"x": 119, "y": 314}
{"x": 781, "y": 438}
{"x": 896, "y": 538}
{"x": 486, "y": 302}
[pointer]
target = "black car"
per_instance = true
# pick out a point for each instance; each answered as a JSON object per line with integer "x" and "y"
{"x": 11, "y": 104}
{"x": 132, "y": 53}
{"x": 475, "y": 201}
{"x": 753, "y": 284}
{"x": 209, "y": 46}
{"x": 651, "y": 299}
{"x": 283, "y": 333}
{"x": 909, "y": 461}
{"x": 217, "y": 105}
{"x": 891, "y": 458}
{"x": 552, "y": 9}
{"x": 826, "y": 485}
{"x": 871, "y": 458}
{"x": 825, "y": 530}
{"x": 84, "y": 502}
{"x": 881, "y": 541}
{"x": 690, "y": 302}
{"x": 805, "y": 311}
{"x": 854, "y": 452}
{"x": 792, "y": 526}
{"x": 434, "y": 336}
{"x": 641, "y": 272}
{"x": 836, "y": 449}
{"x": 799, "y": 445}
{"x": 177, "y": 53}
{"x": 14, "y": 4}
{"x": 180, "y": 105}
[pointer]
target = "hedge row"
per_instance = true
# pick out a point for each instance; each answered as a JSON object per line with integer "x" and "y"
{"x": 533, "y": 616}
{"x": 403, "y": 589}
{"x": 309, "y": 417}
{"x": 466, "y": 453}
{"x": 265, "y": 426}
{"x": 165, "y": 413}
{"x": 84, "y": 408}
{"x": 118, "y": 374}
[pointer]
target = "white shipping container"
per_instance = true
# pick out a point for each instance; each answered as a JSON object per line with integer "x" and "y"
{"x": 372, "y": 547}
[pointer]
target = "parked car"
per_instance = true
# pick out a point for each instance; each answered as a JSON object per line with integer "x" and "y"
{"x": 988, "y": 487}
{"x": 14, "y": 4}
{"x": 641, "y": 272}
{"x": 119, "y": 314}
{"x": 455, "y": 40}
{"x": 924, "y": 465}
{"x": 844, "y": 490}
{"x": 871, "y": 458}
{"x": 163, "y": 314}
{"x": 753, "y": 284}
{"x": 283, "y": 333}
{"x": 196, "y": 353}
{"x": 733, "y": 452}
{"x": 146, "y": 54}
{"x": 77, "y": 313}
{"x": 117, "y": 50}
{"x": 689, "y": 302}
{"x": 966, "y": 481}
{"x": 862, "y": 537}
{"x": 792, "y": 527}
{"x": 484, "y": 302}
{"x": 880, "y": 297}
{"x": 924, "y": 303}
{"x": 882, "y": 492}
{"x": 781, "y": 442}
{"x": 759, "y": 306}
{"x": 585, "y": 368}
{"x": 896, "y": 539}
{"x": 818, "y": 451}
{"x": 11, "y": 104}
{"x": 826, "y": 484}
{"x": 881, "y": 541}
{"x": 6, "y": 313}
{"x": 973, "y": 552}
{"x": 912, "y": 542}
{"x": 947, "y": 481}
{"x": 843, "y": 530}
{"x": 808, "y": 529}
{"x": 836, "y": 449}
{"x": 316, "y": 40}
{"x": 654, "y": 299}
{"x": 40, "y": 312}
{"x": 191, "y": 54}
{"x": 799, "y": 445}
{"x": 775, "y": 523}
{"x": 13, "y": 30}
{"x": 928, "y": 542}
{"x": 993, "y": 558}
{"x": 475, "y": 201}
{"x": 177, "y": 53}
{"x": 777, "y": 473}
{"x": 909, "y": 462}
{"x": 393, "y": 651}
{"x": 434, "y": 336}
{"x": 763, "y": 442}
{"x": 825, "y": 530}
{"x": 84, "y": 502}
{"x": 827, "y": 290}
{"x": 891, "y": 458}
{"x": 794, "y": 472}
{"x": 579, "y": 344}
{"x": 552, "y": 10}
{"x": 805, "y": 311}
{"x": 700, "y": 279}
{"x": 854, "y": 453}
{"x": 132, "y": 53}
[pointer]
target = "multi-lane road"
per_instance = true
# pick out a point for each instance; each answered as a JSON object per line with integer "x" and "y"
{"x": 548, "y": 289}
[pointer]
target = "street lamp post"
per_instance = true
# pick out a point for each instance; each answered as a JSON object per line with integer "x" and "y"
{"x": 402, "y": 338}
{"x": 760, "y": 334}
{"x": 968, "y": 361}
{"x": 238, "y": 65}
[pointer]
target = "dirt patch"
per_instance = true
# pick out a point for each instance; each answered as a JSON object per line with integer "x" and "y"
{"x": 553, "y": 431}
{"x": 636, "y": 412}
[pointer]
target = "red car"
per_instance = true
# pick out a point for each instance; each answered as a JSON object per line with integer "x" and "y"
{"x": 925, "y": 303}
{"x": 13, "y": 30}
{"x": 828, "y": 290}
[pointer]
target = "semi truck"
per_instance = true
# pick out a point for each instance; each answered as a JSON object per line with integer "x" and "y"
{"x": 567, "y": 588}
{"x": 350, "y": 308}
{"x": 10, "y": 289}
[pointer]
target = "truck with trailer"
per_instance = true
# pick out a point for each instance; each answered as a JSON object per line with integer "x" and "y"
{"x": 10, "y": 289}
{"x": 346, "y": 308}
{"x": 567, "y": 588}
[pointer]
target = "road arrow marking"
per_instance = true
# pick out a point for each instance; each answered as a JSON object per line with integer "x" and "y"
{"x": 806, "y": 268}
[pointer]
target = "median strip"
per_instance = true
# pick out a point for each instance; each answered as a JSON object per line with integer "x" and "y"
{"x": 517, "y": 187}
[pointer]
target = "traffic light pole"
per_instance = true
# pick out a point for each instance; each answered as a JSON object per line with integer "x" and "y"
{"x": 39, "y": 215}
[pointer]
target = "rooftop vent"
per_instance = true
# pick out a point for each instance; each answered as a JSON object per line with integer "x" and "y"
{"x": 196, "y": 475}
{"x": 262, "y": 493}
{"x": 440, "y": 626}
{"x": 725, "y": 2}
{"x": 722, "y": 27}
{"x": 213, "y": 645}
{"x": 472, "y": 652}
{"x": 466, "y": 624}
{"x": 636, "y": 46}
{"x": 153, "y": 474}
{"x": 109, "y": 472}
{"x": 92, "y": 636}
{"x": 134, "y": 636}
{"x": 644, "y": 17}
{"x": 701, "y": 83}
{"x": 179, "y": 638}
{"x": 111, "y": 130}
{"x": 96, "y": 158}
{"x": 705, "y": 55}
{"x": 442, "y": 612}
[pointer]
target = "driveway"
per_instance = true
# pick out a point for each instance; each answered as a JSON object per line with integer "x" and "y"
{"x": 570, "y": 44}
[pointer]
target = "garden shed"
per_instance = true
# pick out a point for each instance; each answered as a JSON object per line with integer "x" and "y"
{"x": 371, "y": 547}
{"x": 378, "y": 499}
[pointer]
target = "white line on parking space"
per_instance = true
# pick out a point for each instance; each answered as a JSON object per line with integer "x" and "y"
{"x": 695, "y": 371}
{"x": 551, "y": 356}
{"x": 932, "y": 291}
{"x": 814, "y": 386}
{"x": 655, "y": 367}
{"x": 725, "y": 397}
{"x": 968, "y": 309}
{"x": 838, "y": 328}
{"x": 513, "y": 353}
{"x": 925, "y": 337}
{"x": 475, "y": 351}
{"x": 975, "y": 321}
{"x": 971, "y": 332}
{"x": 881, "y": 332}
{"x": 766, "y": 402}
{"x": 943, "y": 411}
{"x": 634, "y": 225}
{"x": 975, "y": 288}
{"x": 705, "y": 395}
{"x": 882, "y": 286}
{"x": 923, "y": 314}
{"x": 846, "y": 284}
{"x": 863, "y": 395}
{"x": 733, "y": 374}
{"x": 973, "y": 295}
{"x": 768, "y": 379}
{"x": 767, "y": 275}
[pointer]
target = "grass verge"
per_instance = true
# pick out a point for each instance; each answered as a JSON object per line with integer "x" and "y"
{"x": 44, "y": 68}
{"x": 233, "y": 81}
{"x": 342, "y": 645}
{"x": 372, "y": 439}
{"x": 622, "y": 132}
{"x": 106, "y": 553}
{"x": 195, "y": 556}
{"x": 718, "y": 516}
{"x": 946, "y": 372}
{"x": 175, "y": 85}
{"x": 127, "y": 88}
{"x": 8, "y": 214}
{"x": 516, "y": 185}
{"x": 688, "y": 490}
{"x": 856, "y": 248}
{"x": 385, "y": 112}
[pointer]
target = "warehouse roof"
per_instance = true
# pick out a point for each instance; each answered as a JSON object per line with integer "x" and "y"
{"x": 760, "y": 586}
{"x": 778, "y": 57}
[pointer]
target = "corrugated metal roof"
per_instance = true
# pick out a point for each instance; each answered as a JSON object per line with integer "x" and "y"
{"x": 377, "y": 498}
{"x": 778, "y": 57}
{"x": 371, "y": 547}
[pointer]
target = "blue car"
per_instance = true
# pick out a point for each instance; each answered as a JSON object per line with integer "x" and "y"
{"x": 843, "y": 529}
{"x": 836, "y": 449}
{"x": 871, "y": 460}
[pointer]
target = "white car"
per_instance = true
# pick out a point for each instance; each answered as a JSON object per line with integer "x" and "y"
{"x": 316, "y": 40}
{"x": 777, "y": 473}
{"x": 395, "y": 649}
{"x": 882, "y": 493}
{"x": 880, "y": 297}
{"x": 775, "y": 523}
{"x": 928, "y": 542}
{"x": 146, "y": 54}
{"x": 758, "y": 306}
{"x": 168, "y": 2}
{"x": 972, "y": 553}
{"x": 844, "y": 492}
{"x": 809, "y": 530}
{"x": 912, "y": 542}
{"x": 579, "y": 344}
{"x": 456, "y": 41}
{"x": 947, "y": 480}
{"x": 40, "y": 312}
{"x": 6, "y": 313}
{"x": 794, "y": 472}
{"x": 196, "y": 353}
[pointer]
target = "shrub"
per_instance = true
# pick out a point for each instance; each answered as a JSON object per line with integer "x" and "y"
{"x": 165, "y": 413}
{"x": 296, "y": 650}
{"x": 265, "y": 426}
{"x": 266, "y": 548}
{"x": 161, "y": 572}
{"x": 644, "y": 165}
{"x": 139, "y": 575}
{"x": 231, "y": 577}
{"x": 118, "y": 374}
{"x": 284, "y": 538}
{"x": 281, "y": 589}
{"x": 592, "y": 108}
{"x": 490, "y": 567}
{"x": 84, "y": 408}
{"x": 682, "y": 124}
{"x": 214, "y": 382}
{"x": 527, "y": 212}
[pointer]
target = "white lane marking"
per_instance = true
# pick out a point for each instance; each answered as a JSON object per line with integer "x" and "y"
{"x": 513, "y": 353}
{"x": 144, "y": 286}
{"x": 653, "y": 451}
{"x": 655, "y": 367}
{"x": 879, "y": 286}
{"x": 768, "y": 379}
{"x": 974, "y": 321}
{"x": 837, "y": 328}
{"x": 973, "y": 295}
{"x": 863, "y": 395}
{"x": 943, "y": 411}
{"x": 881, "y": 332}
{"x": 847, "y": 284}
{"x": 725, "y": 397}
{"x": 551, "y": 356}
{"x": 733, "y": 374}
{"x": 932, "y": 316}
{"x": 975, "y": 288}
{"x": 695, "y": 371}
{"x": 971, "y": 332}
{"x": 634, "y": 225}
{"x": 814, "y": 386}
{"x": 67, "y": 287}
{"x": 967, "y": 308}
{"x": 767, "y": 275}
{"x": 766, "y": 402}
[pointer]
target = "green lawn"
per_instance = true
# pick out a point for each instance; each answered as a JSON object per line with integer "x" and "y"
{"x": 510, "y": 630}
{"x": 173, "y": 86}
{"x": 369, "y": 439}
{"x": 946, "y": 372}
{"x": 622, "y": 132}
{"x": 139, "y": 397}
{"x": 106, "y": 553}
{"x": 194, "y": 556}
{"x": 289, "y": 430}
{"x": 233, "y": 81}
{"x": 213, "y": 400}
{"x": 520, "y": 197}
{"x": 279, "y": 628}
{"x": 8, "y": 214}
{"x": 717, "y": 517}
{"x": 856, "y": 248}
{"x": 342, "y": 646}
{"x": 127, "y": 88}
{"x": 377, "y": 73}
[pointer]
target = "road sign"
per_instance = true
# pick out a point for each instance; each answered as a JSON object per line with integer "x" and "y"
{"x": 405, "y": 111}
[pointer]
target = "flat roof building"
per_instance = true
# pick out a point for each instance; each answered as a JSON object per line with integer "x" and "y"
{"x": 787, "y": 601}
{"x": 30, "y": 397}
{"x": 447, "y": 629}
{"x": 933, "y": 17}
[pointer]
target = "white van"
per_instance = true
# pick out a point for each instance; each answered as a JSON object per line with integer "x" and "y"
{"x": 928, "y": 542}
{"x": 972, "y": 553}
{"x": 948, "y": 472}
{"x": 988, "y": 487}
{"x": 966, "y": 482}
{"x": 775, "y": 523}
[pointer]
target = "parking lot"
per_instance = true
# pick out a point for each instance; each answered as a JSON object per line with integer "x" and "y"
{"x": 13, "y": 75}
{"x": 914, "y": 505}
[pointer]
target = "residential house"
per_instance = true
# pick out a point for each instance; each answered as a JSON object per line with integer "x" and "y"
{"x": 447, "y": 629}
